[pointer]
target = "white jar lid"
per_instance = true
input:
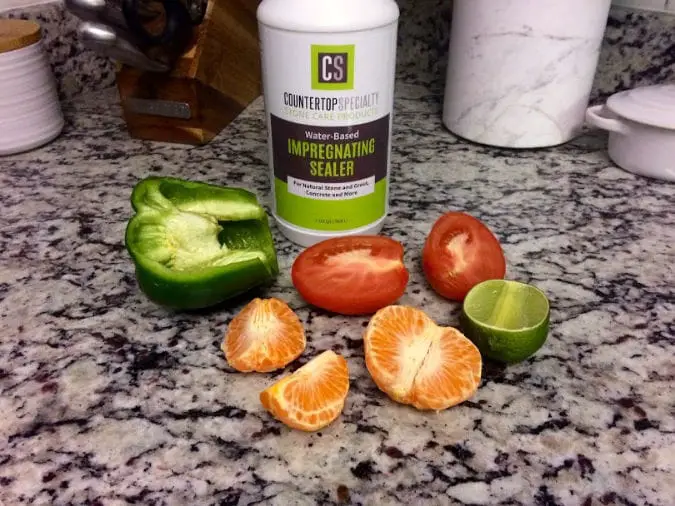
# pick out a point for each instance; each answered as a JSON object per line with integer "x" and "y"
{"x": 649, "y": 105}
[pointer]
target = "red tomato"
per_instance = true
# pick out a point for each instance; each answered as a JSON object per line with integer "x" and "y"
{"x": 351, "y": 275}
{"x": 461, "y": 252}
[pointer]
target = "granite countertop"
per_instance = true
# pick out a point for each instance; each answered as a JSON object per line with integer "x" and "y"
{"x": 108, "y": 399}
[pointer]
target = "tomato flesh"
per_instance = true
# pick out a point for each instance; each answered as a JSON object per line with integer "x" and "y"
{"x": 351, "y": 275}
{"x": 460, "y": 252}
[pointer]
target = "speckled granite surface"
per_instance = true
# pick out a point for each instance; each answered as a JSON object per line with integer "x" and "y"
{"x": 77, "y": 69}
{"x": 639, "y": 49}
{"x": 107, "y": 399}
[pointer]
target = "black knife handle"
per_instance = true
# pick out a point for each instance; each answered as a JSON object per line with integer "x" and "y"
{"x": 177, "y": 29}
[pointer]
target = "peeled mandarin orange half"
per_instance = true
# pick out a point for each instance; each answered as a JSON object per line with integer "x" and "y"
{"x": 313, "y": 396}
{"x": 416, "y": 362}
{"x": 266, "y": 335}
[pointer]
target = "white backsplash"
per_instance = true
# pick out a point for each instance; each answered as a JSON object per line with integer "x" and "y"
{"x": 652, "y": 5}
{"x": 6, "y": 5}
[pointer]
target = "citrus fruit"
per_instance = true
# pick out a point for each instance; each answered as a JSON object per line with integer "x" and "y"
{"x": 507, "y": 320}
{"x": 266, "y": 335}
{"x": 416, "y": 362}
{"x": 313, "y": 396}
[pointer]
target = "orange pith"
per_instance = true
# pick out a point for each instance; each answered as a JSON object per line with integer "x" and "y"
{"x": 266, "y": 335}
{"x": 416, "y": 362}
{"x": 313, "y": 396}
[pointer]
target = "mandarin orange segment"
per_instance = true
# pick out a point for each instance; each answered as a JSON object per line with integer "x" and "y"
{"x": 266, "y": 335}
{"x": 313, "y": 396}
{"x": 416, "y": 362}
{"x": 396, "y": 343}
{"x": 450, "y": 374}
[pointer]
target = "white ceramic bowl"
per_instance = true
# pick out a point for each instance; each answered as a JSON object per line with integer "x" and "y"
{"x": 30, "y": 112}
{"x": 641, "y": 125}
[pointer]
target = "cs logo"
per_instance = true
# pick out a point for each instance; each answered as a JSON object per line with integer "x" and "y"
{"x": 333, "y": 67}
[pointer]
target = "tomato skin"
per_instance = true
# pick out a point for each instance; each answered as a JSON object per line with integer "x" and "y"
{"x": 351, "y": 275}
{"x": 476, "y": 255}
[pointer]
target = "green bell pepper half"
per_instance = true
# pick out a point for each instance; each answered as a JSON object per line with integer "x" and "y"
{"x": 196, "y": 245}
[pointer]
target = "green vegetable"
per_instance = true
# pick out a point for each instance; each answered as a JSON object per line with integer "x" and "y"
{"x": 196, "y": 245}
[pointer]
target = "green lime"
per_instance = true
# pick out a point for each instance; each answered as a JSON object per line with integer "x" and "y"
{"x": 507, "y": 320}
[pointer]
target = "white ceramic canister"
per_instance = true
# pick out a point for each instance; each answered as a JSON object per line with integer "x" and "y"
{"x": 30, "y": 112}
{"x": 328, "y": 82}
{"x": 641, "y": 125}
{"x": 520, "y": 72}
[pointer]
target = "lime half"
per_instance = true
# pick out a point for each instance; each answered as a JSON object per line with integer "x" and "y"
{"x": 507, "y": 320}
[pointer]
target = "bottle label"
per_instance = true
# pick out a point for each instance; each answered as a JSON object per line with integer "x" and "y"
{"x": 329, "y": 122}
{"x": 330, "y": 178}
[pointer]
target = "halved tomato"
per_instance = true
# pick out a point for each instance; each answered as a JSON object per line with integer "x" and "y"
{"x": 351, "y": 275}
{"x": 461, "y": 252}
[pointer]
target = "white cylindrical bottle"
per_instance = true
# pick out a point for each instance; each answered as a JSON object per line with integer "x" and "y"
{"x": 520, "y": 72}
{"x": 328, "y": 84}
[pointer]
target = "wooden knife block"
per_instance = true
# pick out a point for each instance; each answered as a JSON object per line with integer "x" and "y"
{"x": 210, "y": 84}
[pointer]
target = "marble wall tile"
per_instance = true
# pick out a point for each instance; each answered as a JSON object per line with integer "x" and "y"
{"x": 639, "y": 48}
{"x": 652, "y": 5}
